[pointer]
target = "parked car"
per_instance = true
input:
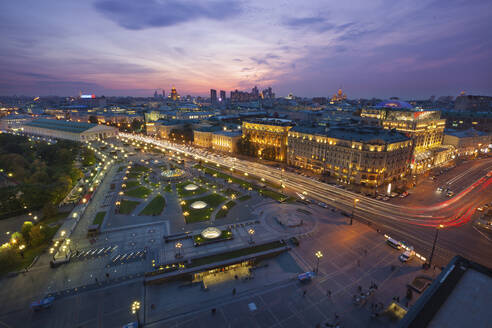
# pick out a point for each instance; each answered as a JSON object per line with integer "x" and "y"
{"x": 404, "y": 194}
{"x": 406, "y": 255}
{"x": 42, "y": 304}
{"x": 439, "y": 189}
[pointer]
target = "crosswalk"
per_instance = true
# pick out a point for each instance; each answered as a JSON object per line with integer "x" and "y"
{"x": 128, "y": 257}
{"x": 92, "y": 253}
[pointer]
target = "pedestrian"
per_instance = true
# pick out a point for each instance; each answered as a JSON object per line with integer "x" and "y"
{"x": 359, "y": 289}
{"x": 234, "y": 291}
{"x": 97, "y": 281}
{"x": 304, "y": 293}
{"x": 213, "y": 311}
{"x": 329, "y": 293}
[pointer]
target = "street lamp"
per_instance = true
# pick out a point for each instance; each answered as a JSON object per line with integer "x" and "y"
{"x": 318, "y": 256}
{"x": 356, "y": 200}
{"x": 434, "y": 244}
{"x": 178, "y": 247}
{"x": 251, "y": 232}
{"x": 136, "y": 310}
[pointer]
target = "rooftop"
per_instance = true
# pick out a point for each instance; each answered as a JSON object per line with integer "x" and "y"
{"x": 471, "y": 132}
{"x": 459, "y": 297}
{"x": 272, "y": 121}
{"x": 360, "y": 134}
{"x": 67, "y": 126}
{"x": 397, "y": 104}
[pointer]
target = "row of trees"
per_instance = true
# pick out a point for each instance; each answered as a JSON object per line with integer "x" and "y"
{"x": 39, "y": 174}
{"x": 246, "y": 147}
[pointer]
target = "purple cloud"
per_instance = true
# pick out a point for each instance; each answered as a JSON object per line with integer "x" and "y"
{"x": 139, "y": 15}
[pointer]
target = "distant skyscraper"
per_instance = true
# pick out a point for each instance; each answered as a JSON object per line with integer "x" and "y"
{"x": 163, "y": 93}
{"x": 213, "y": 96}
{"x": 222, "y": 96}
{"x": 155, "y": 94}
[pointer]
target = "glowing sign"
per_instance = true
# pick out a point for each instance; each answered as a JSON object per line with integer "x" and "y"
{"x": 88, "y": 96}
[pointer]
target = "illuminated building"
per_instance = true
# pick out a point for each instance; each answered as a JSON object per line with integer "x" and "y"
{"x": 424, "y": 127}
{"x": 222, "y": 96}
{"x": 225, "y": 141}
{"x": 268, "y": 132}
{"x": 76, "y": 131}
{"x": 202, "y": 137}
{"x": 338, "y": 97}
{"x": 468, "y": 142}
{"x": 174, "y": 94}
{"x": 367, "y": 156}
{"x": 14, "y": 122}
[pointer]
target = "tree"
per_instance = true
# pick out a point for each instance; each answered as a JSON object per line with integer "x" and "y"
{"x": 26, "y": 229}
{"x": 37, "y": 235}
{"x": 136, "y": 125}
{"x": 8, "y": 256}
{"x": 93, "y": 119}
{"x": 49, "y": 210}
{"x": 17, "y": 239}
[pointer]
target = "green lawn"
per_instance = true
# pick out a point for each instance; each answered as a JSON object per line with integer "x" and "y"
{"x": 132, "y": 184}
{"x": 199, "y": 240}
{"x": 168, "y": 188}
{"x": 182, "y": 192}
{"x": 99, "y": 218}
{"x": 127, "y": 206}
{"x": 140, "y": 192}
{"x": 223, "y": 212}
{"x": 212, "y": 200}
{"x": 273, "y": 194}
{"x": 155, "y": 206}
{"x": 244, "y": 198}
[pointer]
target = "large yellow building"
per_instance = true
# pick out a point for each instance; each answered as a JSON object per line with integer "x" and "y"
{"x": 367, "y": 156}
{"x": 424, "y": 127}
{"x": 268, "y": 133}
{"x": 225, "y": 141}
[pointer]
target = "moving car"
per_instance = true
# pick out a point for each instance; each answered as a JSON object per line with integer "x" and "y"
{"x": 450, "y": 193}
{"x": 404, "y": 194}
{"x": 439, "y": 189}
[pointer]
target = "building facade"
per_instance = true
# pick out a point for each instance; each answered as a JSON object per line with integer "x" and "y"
{"x": 424, "y": 127}
{"x": 75, "y": 131}
{"x": 367, "y": 156}
{"x": 468, "y": 142}
{"x": 225, "y": 141}
{"x": 268, "y": 133}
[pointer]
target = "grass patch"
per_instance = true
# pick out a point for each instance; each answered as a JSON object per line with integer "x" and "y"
{"x": 273, "y": 194}
{"x": 199, "y": 240}
{"x": 155, "y": 206}
{"x": 168, "y": 188}
{"x": 198, "y": 215}
{"x": 244, "y": 198}
{"x": 226, "y": 177}
{"x": 99, "y": 218}
{"x": 222, "y": 213}
{"x": 55, "y": 218}
{"x": 127, "y": 206}
{"x": 121, "y": 168}
{"x": 140, "y": 192}
{"x": 132, "y": 184}
{"x": 182, "y": 192}
{"x": 234, "y": 254}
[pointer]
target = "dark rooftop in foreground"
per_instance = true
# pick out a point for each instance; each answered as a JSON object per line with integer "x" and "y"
{"x": 466, "y": 133}
{"x": 461, "y": 296}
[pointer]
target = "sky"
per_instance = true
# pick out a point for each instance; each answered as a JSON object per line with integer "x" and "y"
{"x": 376, "y": 48}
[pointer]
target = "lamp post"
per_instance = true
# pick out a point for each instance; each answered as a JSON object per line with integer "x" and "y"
{"x": 434, "y": 244}
{"x": 353, "y": 209}
{"x": 318, "y": 256}
{"x": 251, "y": 232}
{"x": 178, "y": 247}
{"x": 136, "y": 310}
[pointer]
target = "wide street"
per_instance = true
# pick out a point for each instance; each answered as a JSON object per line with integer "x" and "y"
{"x": 413, "y": 222}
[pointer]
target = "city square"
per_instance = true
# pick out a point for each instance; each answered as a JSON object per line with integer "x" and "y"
{"x": 218, "y": 163}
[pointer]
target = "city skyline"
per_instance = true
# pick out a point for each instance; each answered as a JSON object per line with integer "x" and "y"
{"x": 408, "y": 50}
